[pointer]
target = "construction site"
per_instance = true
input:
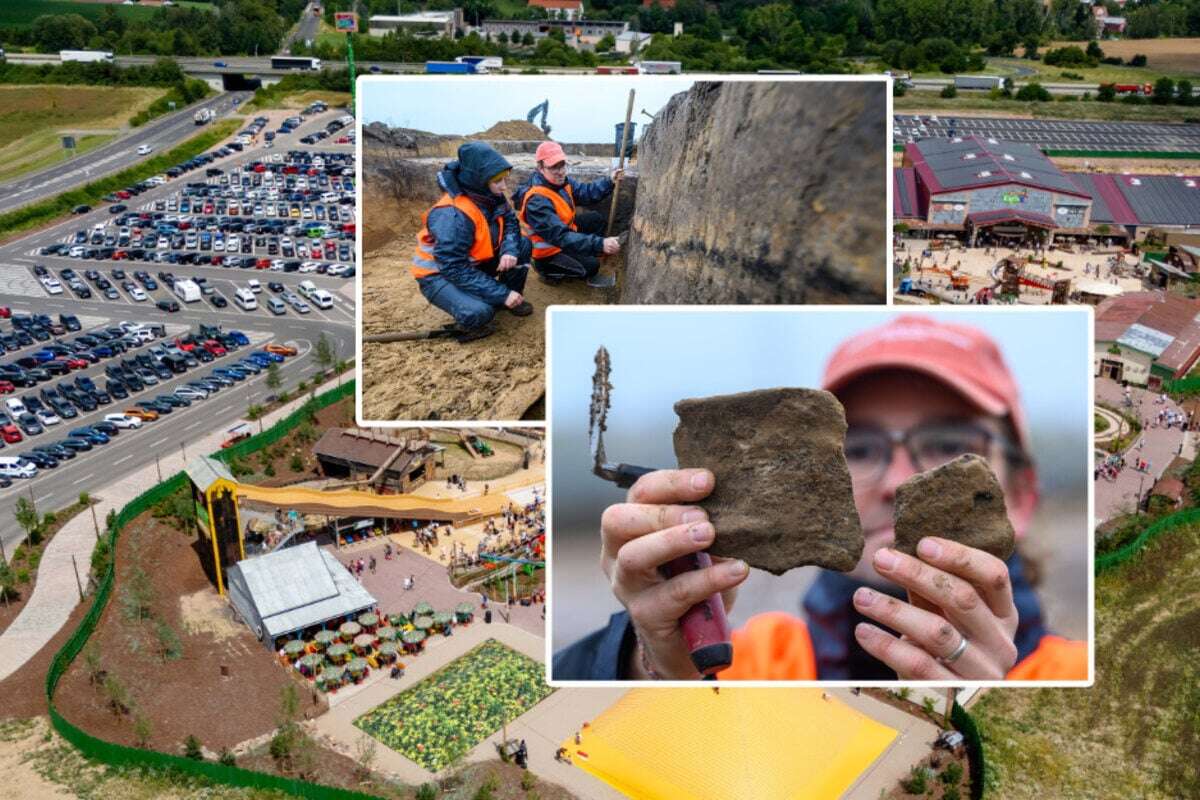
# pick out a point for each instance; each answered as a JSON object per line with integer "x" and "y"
{"x": 981, "y": 220}
{"x": 731, "y": 192}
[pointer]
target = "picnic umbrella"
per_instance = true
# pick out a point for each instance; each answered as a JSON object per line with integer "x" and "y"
{"x": 294, "y": 648}
{"x": 464, "y": 611}
{"x": 368, "y": 620}
{"x": 397, "y": 620}
{"x": 332, "y": 674}
{"x": 386, "y": 634}
{"x": 349, "y": 630}
{"x": 388, "y": 651}
{"x": 413, "y": 637}
{"x": 423, "y": 609}
{"x": 310, "y": 663}
{"x": 364, "y": 642}
{"x": 357, "y": 666}
{"x": 339, "y": 651}
{"x": 325, "y": 638}
{"x": 442, "y": 619}
{"x": 423, "y": 623}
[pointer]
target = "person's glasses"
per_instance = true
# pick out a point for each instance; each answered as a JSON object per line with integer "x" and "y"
{"x": 869, "y": 449}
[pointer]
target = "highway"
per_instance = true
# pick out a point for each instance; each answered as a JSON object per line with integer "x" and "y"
{"x": 131, "y": 450}
{"x": 305, "y": 30}
{"x": 163, "y": 133}
{"x": 1053, "y": 134}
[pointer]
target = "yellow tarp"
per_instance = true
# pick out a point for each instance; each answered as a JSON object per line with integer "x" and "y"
{"x": 315, "y": 501}
{"x": 750, "y": 744}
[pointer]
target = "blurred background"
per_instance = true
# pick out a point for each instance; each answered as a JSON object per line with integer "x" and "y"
{"x": 661, "y": 356}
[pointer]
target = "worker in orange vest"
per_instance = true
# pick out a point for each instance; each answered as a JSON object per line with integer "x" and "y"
{"x": 917, "y": 393}
{"x": 470, "y": 258}
{"x": 566, "y": 241}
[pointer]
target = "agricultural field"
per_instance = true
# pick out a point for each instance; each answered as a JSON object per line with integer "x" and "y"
{"x": 1136, "y": 733}
{"x": 23, "y": 14}
{"x": 35, "y": 116}
{"x": 931, "y": 103}
{"x": 451, "y": 711}
{"x": 1174, "y": 57}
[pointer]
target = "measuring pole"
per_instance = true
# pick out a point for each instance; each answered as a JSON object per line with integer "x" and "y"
{"x": 612, "y": 209}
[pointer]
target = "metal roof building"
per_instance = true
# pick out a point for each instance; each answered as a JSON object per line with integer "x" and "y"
{"x": 1147, "y": 337}
{"x": 294, "y": 589}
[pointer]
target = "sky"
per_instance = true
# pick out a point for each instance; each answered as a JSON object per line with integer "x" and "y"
{"x": 582, "y": 109}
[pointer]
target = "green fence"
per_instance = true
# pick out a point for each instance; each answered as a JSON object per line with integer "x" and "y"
{"x": 1182, "y": 386}
{"x": 122, "y": 756}
{"x": 1107, "y": 561}
{"x": 1153, "y": 154}
{"x": 965, "y": 724}
{"x": 285, "y": 425}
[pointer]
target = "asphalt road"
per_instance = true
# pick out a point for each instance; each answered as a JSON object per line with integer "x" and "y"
{"x": 163, "y": 133}
{"x": 305, "y": 31}
{"x": 1058, "y": 134}
{"x": 131, "y": 450}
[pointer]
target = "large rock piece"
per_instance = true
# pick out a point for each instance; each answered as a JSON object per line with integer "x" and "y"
{"x": 783, "y": 497}
{"x": 763, "y": 192}
{"x": 961, "y": 500}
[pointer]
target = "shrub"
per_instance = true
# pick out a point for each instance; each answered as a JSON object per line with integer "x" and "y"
{"x": 904, "y": 692}
{"x": 191, "y": 748}
{"x": 929, "y": 704}
{"x": 117, "y": 695}
{"x": 952, "y": 774}
{"x": 169, "y": 646}
{"x": 1138, "y": 60}
{"x": 917, "y": 781}
{"x": 1033, "y": 92}
{"x": 269, "y": 470}
{"x": 84, "y": 499}
{"x": 49, "y": 518}
{"x": 487, "y": 789}
{"x": 951, "y": 793}
{"x": 227, "y": 758}
{"x": 296, "y": 464}
{"x": 528, "y": 780}
{"x": 949, "y": 91}
{"x": 1106, "y": 93}
{"x": 141, "y": 731}
{"x": 426, "y": 791}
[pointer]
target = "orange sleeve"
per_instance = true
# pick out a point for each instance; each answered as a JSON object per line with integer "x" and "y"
{"x": 772, "y": 647}
{"x": 1055, "y": 659}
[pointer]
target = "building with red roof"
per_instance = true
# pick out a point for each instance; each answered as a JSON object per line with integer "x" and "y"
{"x": 562, "y": 9}
{"x": 1146, "y": 338}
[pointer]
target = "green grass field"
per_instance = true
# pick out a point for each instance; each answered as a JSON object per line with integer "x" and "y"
{"x": 35, "y": 116}
{"x": 1077, "y": 109}
{"x": 1136, "y": 732}
{"x": 22, "y": 13}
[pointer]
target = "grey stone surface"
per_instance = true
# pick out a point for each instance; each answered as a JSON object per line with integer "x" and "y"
{"x": 763, "y": 192}
{"x": 783, "y": 497}
{"x": 961, "y": 500}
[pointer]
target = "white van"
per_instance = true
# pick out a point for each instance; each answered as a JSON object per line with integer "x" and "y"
{"x": 253, "y": 285}
{"x": 321, "y": 299}
{"x": 245, "y": 299}
{"x": 14, "y": 467}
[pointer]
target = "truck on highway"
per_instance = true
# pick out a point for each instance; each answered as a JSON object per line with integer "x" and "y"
{"x": 660, "y": 67}
{"x": 186, "y": 290}
{"x": 85, "y": 55}
{"x": 295, "y": 62}
{"x": 203, "y": 116}
{"x": 1144, "y": 89}
{"x": 984, "y": 82}
{"x": 483, "y": 64}
{"x": 448, "y": 68}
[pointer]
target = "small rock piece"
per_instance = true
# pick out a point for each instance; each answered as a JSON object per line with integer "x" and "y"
{"x": 783, "y": 497}
{"x": 961, "y": 500}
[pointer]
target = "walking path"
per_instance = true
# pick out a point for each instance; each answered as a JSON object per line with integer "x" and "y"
{"x": 1157, "y": 445}
{"x": 56, "y": 593}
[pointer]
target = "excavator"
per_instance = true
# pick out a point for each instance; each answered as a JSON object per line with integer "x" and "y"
{"x": 542, "y": 108}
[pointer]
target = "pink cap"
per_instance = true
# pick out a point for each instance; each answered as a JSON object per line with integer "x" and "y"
{"x": 550, "y": 153}
{"x": 962, "y": 357}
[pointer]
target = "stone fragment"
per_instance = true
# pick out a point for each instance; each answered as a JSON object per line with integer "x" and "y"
{"x": 783, "y": 497}
{"x": 961, "y": 500}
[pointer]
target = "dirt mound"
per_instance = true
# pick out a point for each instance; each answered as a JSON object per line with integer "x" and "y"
{"x": 511, "y": 129}
{"x": 762, "y": 193}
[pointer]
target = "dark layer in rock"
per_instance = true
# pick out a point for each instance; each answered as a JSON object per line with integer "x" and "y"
{"x": 962, "y": 501}
{"x": 783, "y": 497}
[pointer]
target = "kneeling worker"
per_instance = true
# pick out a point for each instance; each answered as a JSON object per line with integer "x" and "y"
{"x": 566, "y": 243}
{"x": 470, "y": 258}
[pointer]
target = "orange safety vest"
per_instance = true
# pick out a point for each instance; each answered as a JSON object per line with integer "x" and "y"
{"x": 566, "y": 212}
{"x": 777, "y": 646}
{"x": 482, "y": 249}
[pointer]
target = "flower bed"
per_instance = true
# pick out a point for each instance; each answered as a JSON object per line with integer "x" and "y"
{"x": 458, "y": 706}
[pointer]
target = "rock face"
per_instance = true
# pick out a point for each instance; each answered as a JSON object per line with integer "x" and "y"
{"x": 783, "y": 497}
{"x": 763, "y": 193}
{"x": 962, "y": 501}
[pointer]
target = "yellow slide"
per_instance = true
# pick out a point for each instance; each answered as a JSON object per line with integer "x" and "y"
{"x": 351, "y": 502}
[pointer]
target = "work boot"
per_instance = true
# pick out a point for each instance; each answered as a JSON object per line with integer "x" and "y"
{"x": 548, "y": 280}
{"x": 471, "y": 334}
{"x": 602, "y": 281}
{"x": 522, "y": 310}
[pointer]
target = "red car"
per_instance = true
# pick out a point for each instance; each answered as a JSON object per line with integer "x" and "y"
{"x": 124, "y": 195}
{"x": 6, "y": 387}
{"x": 120, "y": 255}
{"x": 77, "y": 363}
{"x": 5, "y": 312}
{"x": 10, "y": 433}
{"x": 218, "y": 260}
{"x": 214, "y": 347}
{"x": 187, "y": 346}
{"x": 263, "y": 263}
{"x": 260, "y": 167}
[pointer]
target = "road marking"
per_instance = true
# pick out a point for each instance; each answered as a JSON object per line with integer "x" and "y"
{"x": 84, "y": 478}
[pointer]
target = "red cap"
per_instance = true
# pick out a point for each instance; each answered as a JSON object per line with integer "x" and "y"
{"x": 962, "y": 357}
{"x": 550, "y": 153}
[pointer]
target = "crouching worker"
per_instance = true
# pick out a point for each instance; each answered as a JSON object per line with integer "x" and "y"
{"x": 471, "y": 258}
{"x": 566, "y": 242}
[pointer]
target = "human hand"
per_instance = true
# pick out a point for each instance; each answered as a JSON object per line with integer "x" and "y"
{"x": 956, "y": 593}
{"x": 513, "y": 300}
{"x": 618, "y": 174}
{"x": 612, "y": 245}
{"x": 639, "y": 536}
{"x": 506, "y": 263}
